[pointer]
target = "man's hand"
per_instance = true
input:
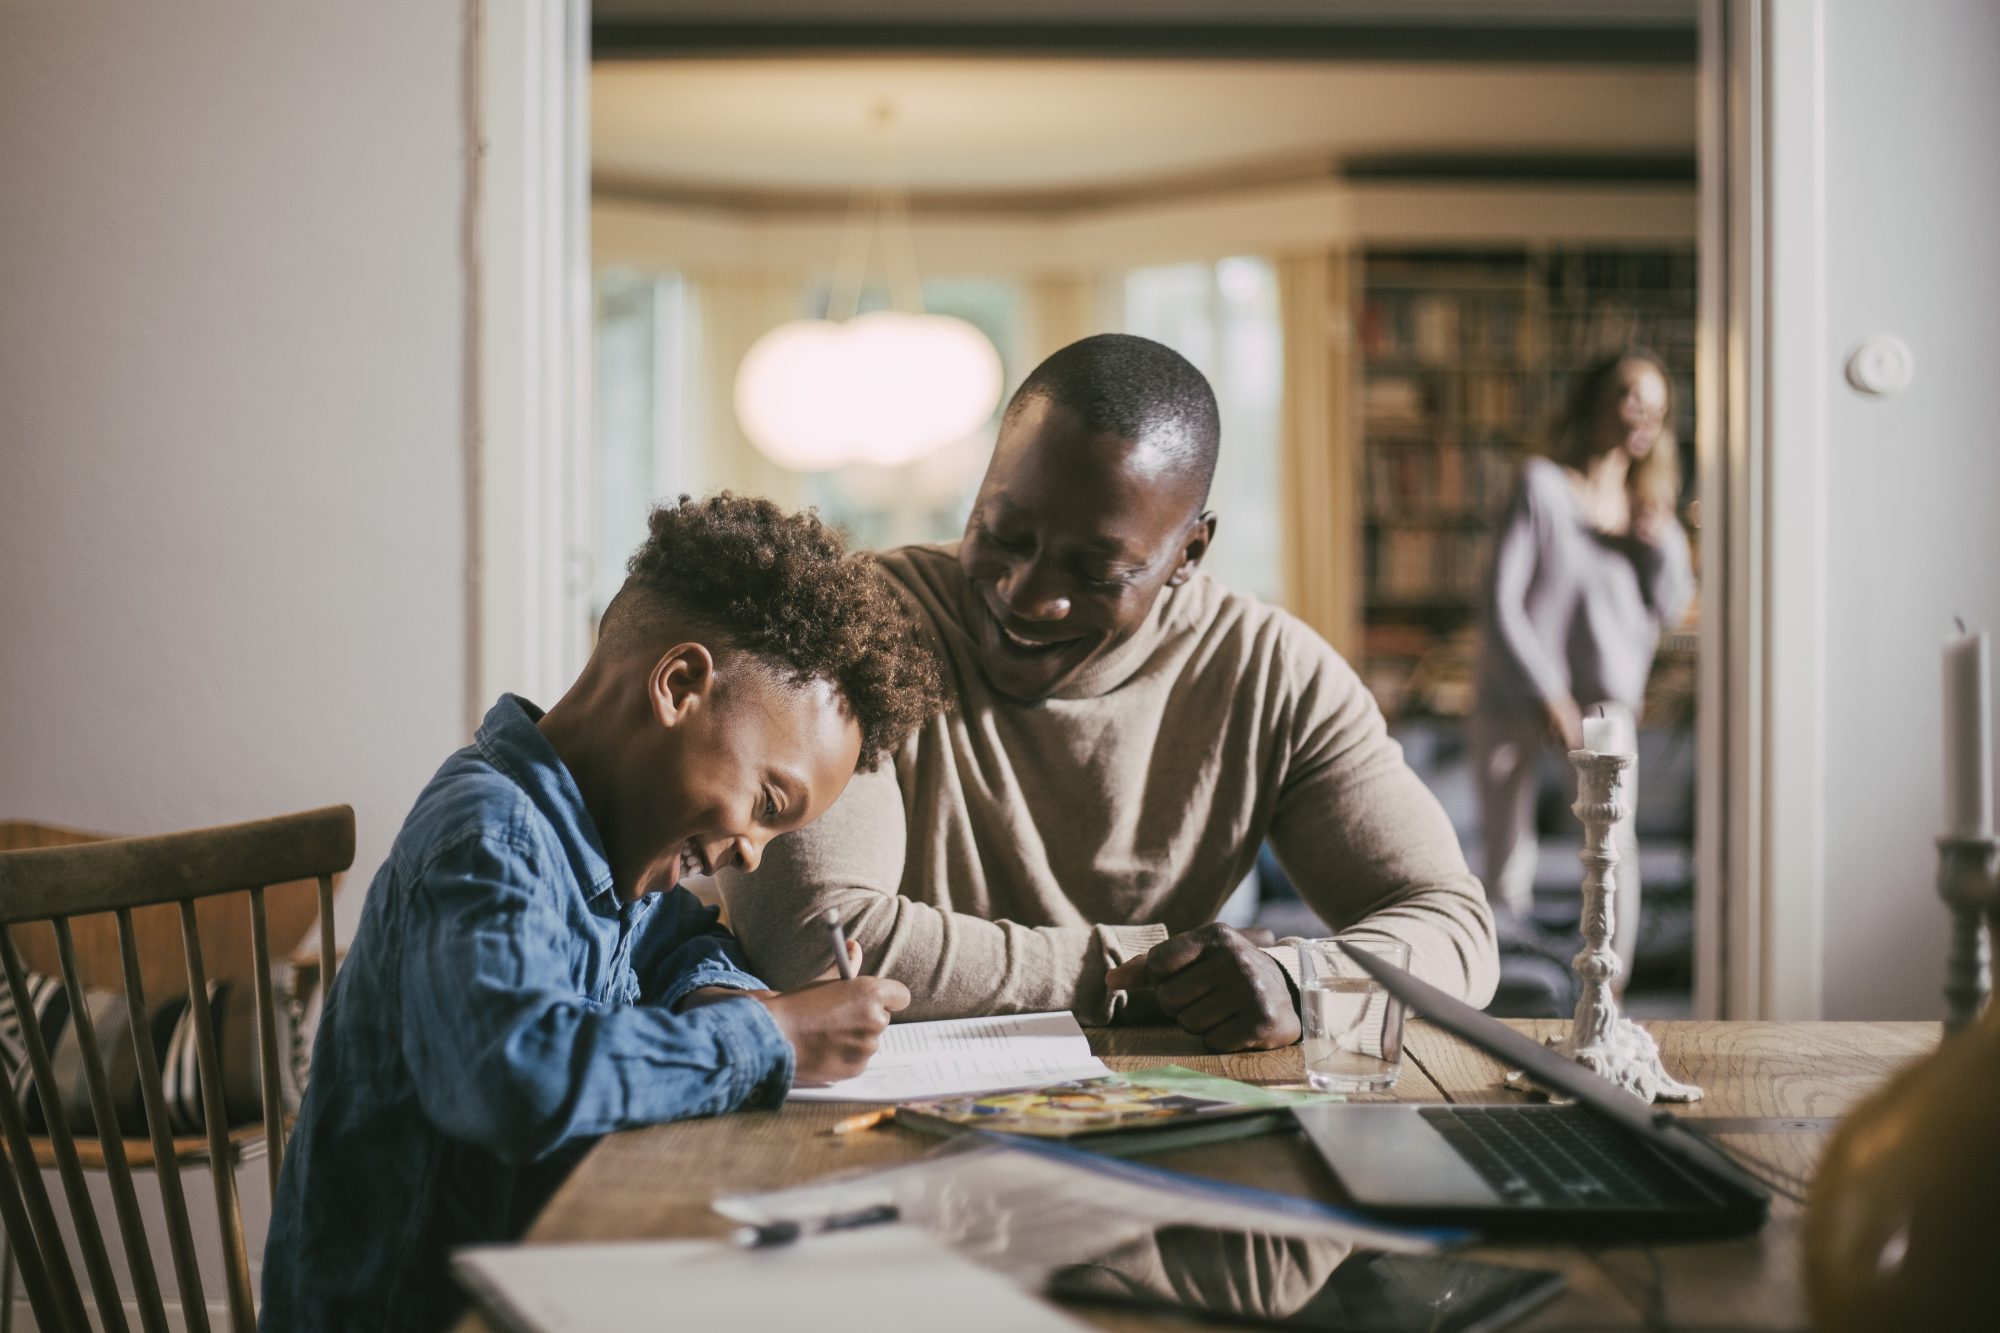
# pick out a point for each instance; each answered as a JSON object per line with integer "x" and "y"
{"x": 1217, "y": 985}
{"x": 833, "y": 1026}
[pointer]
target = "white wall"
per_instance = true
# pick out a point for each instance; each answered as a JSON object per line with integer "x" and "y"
{"x": 231, "y": 496}
{"x": 1913, "y": 517}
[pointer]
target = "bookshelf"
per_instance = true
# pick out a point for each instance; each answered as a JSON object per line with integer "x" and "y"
{"x": 1465, "y": 358}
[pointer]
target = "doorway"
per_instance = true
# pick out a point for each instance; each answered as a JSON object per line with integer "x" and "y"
{"x": 1496, "y": 211}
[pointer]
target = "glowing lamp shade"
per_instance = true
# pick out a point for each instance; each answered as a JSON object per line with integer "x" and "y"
{"x": 882, "y": 388}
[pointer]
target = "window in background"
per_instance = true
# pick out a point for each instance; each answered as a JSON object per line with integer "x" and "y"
{"x": 1223, "y": 317}
{"x": 645, "y": 372}
{"x": 652, "y": 393}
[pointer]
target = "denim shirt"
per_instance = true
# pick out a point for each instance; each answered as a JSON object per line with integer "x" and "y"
{"x": 498, "y": 1010}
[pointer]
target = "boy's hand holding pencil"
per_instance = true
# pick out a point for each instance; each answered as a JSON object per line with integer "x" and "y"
{"x": 834, "y": 1025}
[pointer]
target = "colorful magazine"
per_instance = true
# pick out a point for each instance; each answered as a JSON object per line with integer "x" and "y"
{"x": 1143, "y": 1111}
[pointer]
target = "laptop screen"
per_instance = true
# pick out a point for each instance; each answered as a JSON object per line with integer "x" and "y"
{"x": 1552, "y": 1071}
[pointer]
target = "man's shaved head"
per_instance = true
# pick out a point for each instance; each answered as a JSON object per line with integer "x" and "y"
{"x": 1090, "y": 508}
{"x": 1122, "y": 385}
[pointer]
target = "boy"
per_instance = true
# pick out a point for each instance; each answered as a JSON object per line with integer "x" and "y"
{"x": 527, "y": 976}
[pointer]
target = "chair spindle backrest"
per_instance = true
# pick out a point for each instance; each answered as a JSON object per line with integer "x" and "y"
{"x": 57, "y": 884}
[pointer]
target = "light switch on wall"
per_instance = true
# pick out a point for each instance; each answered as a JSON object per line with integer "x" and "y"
{"x": 1882, "y": 365}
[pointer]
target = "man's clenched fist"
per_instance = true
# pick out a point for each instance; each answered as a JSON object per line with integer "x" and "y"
{"x": 1220, "y": 986}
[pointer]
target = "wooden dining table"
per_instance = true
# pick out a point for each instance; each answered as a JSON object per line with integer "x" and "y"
{"x": 1774, "y": 1091}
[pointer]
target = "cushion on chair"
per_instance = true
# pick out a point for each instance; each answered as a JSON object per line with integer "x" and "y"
{"x": 48, "y": 1004}
{"x": 12, "y": 1053}
{"x": 111, "y": 1021}
{"x": 234, "y": 1018}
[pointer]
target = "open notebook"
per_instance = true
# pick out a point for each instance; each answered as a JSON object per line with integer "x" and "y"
{"x": 967, "y": 1055}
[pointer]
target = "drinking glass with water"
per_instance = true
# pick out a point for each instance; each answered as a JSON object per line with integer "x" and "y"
{"x": 1353, "y": 1028}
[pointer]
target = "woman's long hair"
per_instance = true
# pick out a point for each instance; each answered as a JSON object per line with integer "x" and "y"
{"x": 1655, "y": 480}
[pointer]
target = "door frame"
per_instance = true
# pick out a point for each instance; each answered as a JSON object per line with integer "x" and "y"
{"x": 1761, "y": 767}
{"x": 529, "y": 348}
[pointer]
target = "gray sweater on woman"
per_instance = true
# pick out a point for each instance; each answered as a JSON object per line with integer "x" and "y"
{"x": 1570, "y": 610}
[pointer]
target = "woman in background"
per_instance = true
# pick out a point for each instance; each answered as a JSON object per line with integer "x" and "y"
{"x": 1589, "y": 563}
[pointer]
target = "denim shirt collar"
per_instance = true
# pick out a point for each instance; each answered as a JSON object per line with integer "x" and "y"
{"x": 512, "y": 743}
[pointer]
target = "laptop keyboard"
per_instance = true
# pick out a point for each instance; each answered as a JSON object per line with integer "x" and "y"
{"x": 1560, "y": 1157}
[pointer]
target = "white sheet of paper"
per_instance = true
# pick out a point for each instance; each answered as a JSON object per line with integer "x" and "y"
{"x": 1024, "y": 1211}
{"x": 883, "y": 1279}
{"x": 957, "y": 1056}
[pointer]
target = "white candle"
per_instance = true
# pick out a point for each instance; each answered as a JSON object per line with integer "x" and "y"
{"x": 1607, "y": 735}
{"x": 1968, "y": 738}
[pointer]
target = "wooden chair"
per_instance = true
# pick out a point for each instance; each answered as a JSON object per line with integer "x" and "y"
{"x": 53, "y": 885}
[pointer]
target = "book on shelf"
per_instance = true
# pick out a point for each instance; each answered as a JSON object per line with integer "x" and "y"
{"x": 1444, "y": 328}
{"x": 1581, "y": 334}
{"x": 1149, "y": 1110}
{"x": 1496, "y": 402}
{"x": 1446, "y": 481}
{"x": 1663, "y": 274}
{"x": 1467, "y": 356}
{"x": 1410, "y": 326}
{"x": 1425, "y": 565}
{"x": 1391, "y": 400}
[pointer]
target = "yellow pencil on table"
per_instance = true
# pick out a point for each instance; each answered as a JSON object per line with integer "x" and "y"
{"x": 865, "y": 1120}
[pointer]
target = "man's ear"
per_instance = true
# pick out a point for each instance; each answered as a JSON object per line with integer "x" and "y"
{"x": 1199, "y": 539}
{"x": 681, "y": 680}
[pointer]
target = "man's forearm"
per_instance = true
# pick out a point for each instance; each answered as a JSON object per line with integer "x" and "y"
{"x": 1372, "y": 852}
{"x": 1449, "y": 929}
{"x": 955, "y": 964}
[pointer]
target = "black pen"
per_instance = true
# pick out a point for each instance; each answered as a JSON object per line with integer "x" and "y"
{"x": 784, "y": 1233}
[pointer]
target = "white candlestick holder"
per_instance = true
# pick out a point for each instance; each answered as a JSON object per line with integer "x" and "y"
{"x": 1969, "y": 882}
{"x": 1600, "y": 1038}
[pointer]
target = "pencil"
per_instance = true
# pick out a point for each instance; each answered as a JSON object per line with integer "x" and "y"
{"x": 837, "y": 937}
{"x": 865, "y": 1120}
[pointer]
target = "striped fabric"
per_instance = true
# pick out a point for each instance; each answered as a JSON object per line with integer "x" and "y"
{"x": 175, "y": 1048}
{"x": 12, "y": 1054}
{"x": 47, "y": 1006}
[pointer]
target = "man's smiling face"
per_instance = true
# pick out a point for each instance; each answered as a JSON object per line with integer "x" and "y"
{"x": 1071, "y": 538}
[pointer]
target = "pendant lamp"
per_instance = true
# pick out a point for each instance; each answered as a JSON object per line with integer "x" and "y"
{"x": 885, "y": 387}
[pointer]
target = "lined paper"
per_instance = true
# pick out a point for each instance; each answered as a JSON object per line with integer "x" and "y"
{"x": 956, "y": 1056}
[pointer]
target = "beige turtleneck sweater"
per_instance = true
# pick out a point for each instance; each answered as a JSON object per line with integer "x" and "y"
{"x": 1012, "y": 852}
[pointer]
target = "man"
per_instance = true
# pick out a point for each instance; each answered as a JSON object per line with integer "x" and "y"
{"x": 1127, "y": 734}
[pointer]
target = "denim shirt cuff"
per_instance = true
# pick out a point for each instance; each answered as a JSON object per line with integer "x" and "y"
{"x": 759, "y": 1059}
{"x": 709, "y": 972}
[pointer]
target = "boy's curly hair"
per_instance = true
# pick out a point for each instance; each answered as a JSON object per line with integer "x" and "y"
{"x": 783, "y": 587}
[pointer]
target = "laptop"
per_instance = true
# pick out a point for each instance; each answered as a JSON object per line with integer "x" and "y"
{"x": 1608, "y": 1165}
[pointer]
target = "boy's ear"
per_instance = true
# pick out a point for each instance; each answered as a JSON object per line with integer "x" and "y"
{"x": 682, "y": 678}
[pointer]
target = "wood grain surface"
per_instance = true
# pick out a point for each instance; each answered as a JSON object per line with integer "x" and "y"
{"x": 657, "y": 1182}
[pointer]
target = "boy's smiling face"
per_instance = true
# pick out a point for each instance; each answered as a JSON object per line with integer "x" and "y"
{"x": 736, "y": 754}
